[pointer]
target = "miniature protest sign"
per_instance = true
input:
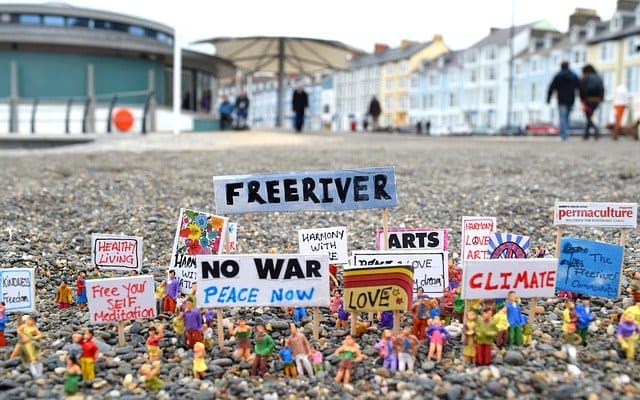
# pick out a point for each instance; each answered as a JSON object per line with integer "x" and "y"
{"x": 116, "y": 252}
{"x": 232, "y": 233}
{"x": 17, "y": 289}
{"x": 430, "y": 270}
{"x": 279, "y": 280}
{"x": 338, "y": 190}
{"x": 402, "y": 238}
{"x": 475, "y": 237}
{"x": 612, "y": 215}
{"x": 493, "y": 279}
{"x": 330, "y": 241}
{"x": 197, "y": 233}
{"x": 507, "y": 245}
{"x": 590, "y": 268}
{"x": 121, "y": 299}
{"x": 378, "y": 288}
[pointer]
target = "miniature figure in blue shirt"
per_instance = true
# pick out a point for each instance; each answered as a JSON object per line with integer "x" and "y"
{"x": 585, "y": 316}
{"x": 516, "y": 320}
{"x": 434, "y": 308}
{"x": 299, "y": 313}
{"x": 386, "y": 320}
{"x": 289, "y": 364}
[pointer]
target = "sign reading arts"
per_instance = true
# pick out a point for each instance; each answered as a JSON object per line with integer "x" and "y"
{"x": 378, "y": 289}
{"x": 399, "y": 238}
{"x": 279, "y": 280}
{"x": 330, "y": 241}
{"x": 121, "y": 299}
{"x": 591, "y": 268}
{"x": 338, "y": 190}
{"x": 17, "y": 289}
{"x": 494, "y": 279}
{"x": 475, "y": 237}
{"x": 611, "y": 215}
{"x": 116, "y": 252}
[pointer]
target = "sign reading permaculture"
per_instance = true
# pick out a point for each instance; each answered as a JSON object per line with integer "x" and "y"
{"x": 400, "y": 238}
{"x": 116, "y": 252}
{"x": 591, "y": 268}
{"x": 506, "y": 245}
{"x": 121, "y": 299}
{"x": 610, "y": 215}
{"x": 430, "y": 270}
{"x": 197, "y": 233}
{"x": 494, "y": 279}
{"x": 378, "y": 289}
{"x": 475, "y": 237}
{"x": 279, "y": 280}
{"x": 17, "y": 289}
{"x": 338, "y": 190}
{"x": 330, "y": 241}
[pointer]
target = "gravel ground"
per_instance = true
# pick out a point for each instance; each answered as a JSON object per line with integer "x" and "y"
{"x": 54, "y": 199}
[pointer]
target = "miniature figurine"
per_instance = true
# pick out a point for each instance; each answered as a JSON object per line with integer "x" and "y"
{"x": 418, "y": 296}
{"x": 343, "y": 316}
{"x": 635, "y": 311}
{"x": 447, "y": 305}
{"x": 28, "y": 351}
{"x": 89, "y": 355}
{"x": 207, "y": 336}
{"x": 192, "y": 296}
{"x": 29, "y": 327}
{"x": 527, "y": 334}
{"x": 210, "y": 318}
{"x": 156, "y": 333}
{"x": 336, "y": 300}
{"x": 585, "y": 317}
{"x": 469, "y": 337}
{"x": 486, "y": 332}
{"x": 569, "y": 315}
{"x": 242, "y": 333}
{"x": 455, "y": 274}
{"x": 3, "y": 323}
{"x": 385, "y": 320}
{"x": 406, "y": 346}
{"x": 64, "y": 297}
{"x": 150, "y": 372}
{"x": 76, "y": 346}
{"x": 316, "y": 361}
{"x": 502, "y": 324}
{"x": 347, "y": 353}
{"x": 420, "y": 316}
{"x": 263, "y": 347}
{"x": 434, "y": 308}
{"x": 540, "y": 252}
{"x": 458, "y": 306}
{"x": 73, "y": 375}
{"x": 95, "y": 273}
{"x": 81, "y": 290}
{"x": 286, "y": 354}
{"x": 159, "y": 295}
{"x": 192, "y": 323}
{"x": 437, "y": 335}
{"x": 178, "y": 329}
{"x": 516, "y": 320}
{"x": 362, "y": 327}
{"x": 299, "y": 313}
{"x": 628, "y": 334}
{"x": 199, "y": 365}
{"x": 385, "y": 349}
{"x": 299, "y": 345}
{"x": 172, "y": 287}
{"x": 570, "y": 339}
{"x": 634, "y": 287}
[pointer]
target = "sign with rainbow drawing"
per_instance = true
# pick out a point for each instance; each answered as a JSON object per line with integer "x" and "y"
{"x": 378, "y": 288}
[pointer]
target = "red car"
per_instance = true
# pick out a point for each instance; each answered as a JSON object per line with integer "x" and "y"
{"x": 542, "y": 129}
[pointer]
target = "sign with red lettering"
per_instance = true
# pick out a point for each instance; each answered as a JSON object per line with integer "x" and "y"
{"x": 494, "y": 279}
{"x": 475, "y": 237}
{"x": 116, "y": 252}
{"x": 121, "y": 299}
{"x": 405, "y": 238}
{"x": 609, "y": 215}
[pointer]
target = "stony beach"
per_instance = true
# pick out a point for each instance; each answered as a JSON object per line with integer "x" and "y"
{"x": 53, "y": 200}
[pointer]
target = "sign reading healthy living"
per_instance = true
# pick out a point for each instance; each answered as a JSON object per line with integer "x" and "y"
{"x": 475, "y": 237}
{"x": 591, "y": 268}
{"x": 378, "y": 288}
{"x": 400, "y": 238}
{"x": 17, "y": 289}
{"x": 611, "y": 215}
{"x": 116, "y": 252}
{"x": 330, "y": 241}
{"x": 121, "y": 299}
{"x": 492, "y": 279}
{"x": 279, "y": 280}
{"x": 338, "y": 190}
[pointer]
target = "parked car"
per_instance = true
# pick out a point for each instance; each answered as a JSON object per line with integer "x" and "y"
{"x": 542, "y": 129}
{"x": 440, "y": 130}
{"x": 462, "y": 130}
{"x": 576, "y": 128}
{"x": 483, "y": 130}
{"x": 512, "y": 130}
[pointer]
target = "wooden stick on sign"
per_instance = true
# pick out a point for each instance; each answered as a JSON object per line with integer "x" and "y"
{"x": 121, "y": 339}
{"x": 623, "y": 237}
{"x": 316, "y": 323}
{"x": 354, "y": 321}
{"x": 220, "y": 328}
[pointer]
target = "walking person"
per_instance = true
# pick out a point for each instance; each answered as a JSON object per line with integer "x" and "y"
{"x": 374, "y": 110}
{"x": 299, "y": 103}
{"x": 225, "y": 109}
{"x": 242, "y": 110}
{"x": 564, "y": 83}
{"x": 591, "y": 94}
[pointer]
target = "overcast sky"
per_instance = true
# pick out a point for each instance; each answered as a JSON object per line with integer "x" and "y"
{"x": 354, "y": 22}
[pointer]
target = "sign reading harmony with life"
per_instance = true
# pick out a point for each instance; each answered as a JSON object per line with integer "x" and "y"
{"x": 475, "y": 237}
{"x": 378, "y": 289}
{"x": 121, "y": 299}
{"x": 612, "y": 215}
{"x": 591, "y": 268}
{"x": 493, "y": 279}
{"x": 116, "y": 252}
{"x": 17, "y": 289}
{"x": 330, "y": 241}
{"x": 400, "y": 238}
{"x": 339, "y": 190}
{"x": 279, "y": 280}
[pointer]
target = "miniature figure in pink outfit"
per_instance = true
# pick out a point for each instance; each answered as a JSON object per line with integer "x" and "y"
{"x": 335, "y": 302}
{"x": 385, "y": 349}
{"x": 437, "y": 336}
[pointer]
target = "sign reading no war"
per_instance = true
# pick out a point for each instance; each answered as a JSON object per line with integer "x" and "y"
{"x": 263, "y": 280}
{"x": 338, "y": 190}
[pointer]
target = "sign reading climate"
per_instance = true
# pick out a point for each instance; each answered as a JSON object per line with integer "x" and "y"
{"x": 339, "y": 190}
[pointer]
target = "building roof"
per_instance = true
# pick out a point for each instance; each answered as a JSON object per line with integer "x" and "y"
{"x": 630, "y": 30}
{"x": 394, "y": 54}
{"x": 500, "y": 36}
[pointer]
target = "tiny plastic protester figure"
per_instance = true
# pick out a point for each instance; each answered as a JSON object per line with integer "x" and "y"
{"x": 207, "y": 336}
{"x": 516, "y": 320}
{"x": 455, "y": 274}
{"x": 386, "y": 350}
{"x": 569, "y": 340}
{"x": 150, "y": 372}
{"x": 434, "y": 308}
{"x": 29, "y": 327}
{"x": 95, "y": 273}
{"x": 159, "y": 295}
{"x": 192, "y": 296}
{"x": 458, "y": 306}
{"x": 343, "y": 316}
{"x": 385, "y": 320}
{"x": 634, "y": 287}
{"x": 156, "y": 333}
{"x": 89, "y": 355}
{"x": 289, "y": 364}
{"x": 420, "y": 316}
{"x": 301, "y": 350}
{"x": 29, "y": 352}
{"x": 3, "y": 323}
{"x": 316, "y": 361}
{"x": 486, "y": 332}
{"x": 437, "y": 335}
{"x": 469, "y": 337}
{"x": 635, "y": 311}
{"x": 406, "y": 347}
{"x": 263, "y": 347}
{"x": 72, "y": 376}
{"x": 199, "y": 365}
{"x": 585, "y": 317}
{"x": 81, "y": 290}
{"x": 64, "y": 296}
{"x": 172, "y": 287}
{"x": 335, "y": 302}
{"x": 210, "y": 318}
{"x": 447, "y": 305}
{"x": 627, "y": 335}
{"x": 299, "y": 313}
{"x": 192, "y": 323}
{"x": 242, "y": 333}
{"x": 418, "y": 296}
{"x": 502, "y": 324}
{"x": 540, "y": 252}
{"x": 347, "y": 353}
{"x": 527, "y": 334}
{"x": 569, "y": 315}
{"x": 178, "y": 328}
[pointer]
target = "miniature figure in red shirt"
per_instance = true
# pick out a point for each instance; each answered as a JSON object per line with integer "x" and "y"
{"x": 81, "y": 290}
{"x": 156, "y": 333}
{"x": 89, "y": 355}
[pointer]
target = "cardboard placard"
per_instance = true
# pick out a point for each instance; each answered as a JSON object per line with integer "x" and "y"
{"x": 611, "y": 215}
{"x": 116, "y": 252}
{"x": 494, "y": 279}
{"x": 378, "y": 289}
{"x": 330, "y": 241}
{"x": 337, "y": 190}
{"x": 475, "y": 237}
{"x": 413, "y": 239}
{"x": 17, "y": 289}
{"x": 121, "y": 299}
{"x": 507, "y": 245}
{"x": 591, "y": 268}
{"x": 279, "y": 280}
{"x": 232, "y": 231}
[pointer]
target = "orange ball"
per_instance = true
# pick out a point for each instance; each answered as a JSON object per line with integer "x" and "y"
{"x": 123, "y": 119}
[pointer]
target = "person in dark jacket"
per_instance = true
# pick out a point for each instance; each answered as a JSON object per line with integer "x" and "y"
{"x": 374, "y": 110}
{"x": 565, "y": 83}
{"x": 242, "y": 110}
{"x": 225, "y": 109}
{"x": 591, "y": 95}
{"x": 299, "y": 103}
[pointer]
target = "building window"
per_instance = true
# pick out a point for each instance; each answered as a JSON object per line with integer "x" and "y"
{"x": 404, "y": 101}
{"x": 490, "y": 73}
{"x": 607, "y": 50}
{"x": 388, "y": 84}
{"x": 388, "y": 103}
{"x": 29, "y": 19}
{"x": 607, "y": 80}
{"x": 491, "y": 53}
{"x": 390, "y": 68}
{"x": 452, "y": 100}
{"x": 404, "y": 66}
{"x": 489, "y": 96}
{"x": 433, "y": 79}
{"x": 53, "y": 20}
{"x": 473, "y": 76}
{"x": 432, "y": 101}
{"x": 632, "y": 46}
{"x": 403, "y": 83}
{"x": 136, "y": 30}
{"x": 632, "y": 79}
{"x": 534, "y": 92}
{"x": 415, "y": 81}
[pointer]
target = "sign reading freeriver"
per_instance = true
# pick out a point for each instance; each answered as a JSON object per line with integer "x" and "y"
{"x": 17, "y": 289}
{"x": 116, "y": 252}
{"x": 611, "y": 215}
{"x": 330, "y": 241}
{"x": 339, "y": 190}
{"x": 277, "y": 280}
{"x": 494, "y": 279}
{"x": 121, "y": 299}
{"x": 402, "y": 238}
